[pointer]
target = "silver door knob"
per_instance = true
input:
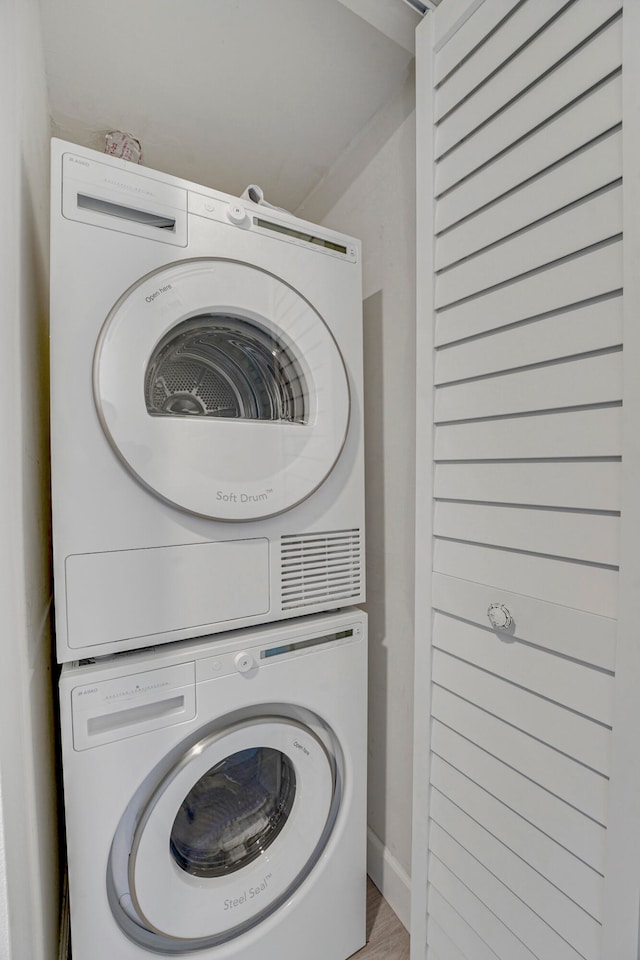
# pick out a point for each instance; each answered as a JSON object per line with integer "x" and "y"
{"x": 499, "y": 616}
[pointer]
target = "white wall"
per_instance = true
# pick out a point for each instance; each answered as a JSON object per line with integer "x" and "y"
{"x": 379, "y": 207}
{"x": 28, "y": 844}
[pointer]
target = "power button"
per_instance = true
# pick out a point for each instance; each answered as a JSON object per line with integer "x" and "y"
{"x": 244, "y": 662}
{"x": 236, "y": 213}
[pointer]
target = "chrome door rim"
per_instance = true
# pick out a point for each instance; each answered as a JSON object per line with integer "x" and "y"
{"x": 146, "y": 934}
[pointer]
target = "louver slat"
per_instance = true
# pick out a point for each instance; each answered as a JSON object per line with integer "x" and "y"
{"x": 596, "y": 325}
{"x": 565, "y": 233}
{"x": 591, "y": 64}
{"x": 598, "y": 111}
{"x": 453, "y": 47}
{"x": 559, "y": 38}
{"x": 567, "y": 182}
{"x": 487, "y": 57}
{"x": 568, "y": 873}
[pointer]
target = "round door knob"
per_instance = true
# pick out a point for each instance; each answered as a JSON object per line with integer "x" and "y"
{"x": 499, "y": 616}
{"x": 244, "y": 662}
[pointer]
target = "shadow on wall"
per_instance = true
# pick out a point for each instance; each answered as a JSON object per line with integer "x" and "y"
{"x": 375, "y": 556}
{"x": 34, "y": 354}
{"x": 36, "y": 525}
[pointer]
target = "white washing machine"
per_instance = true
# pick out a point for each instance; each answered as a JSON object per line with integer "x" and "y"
{"x": 206, "y": 410}
{"x": 215, "y": 795}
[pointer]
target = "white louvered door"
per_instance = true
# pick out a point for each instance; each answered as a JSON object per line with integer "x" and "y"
{"x": 522, "y": 423}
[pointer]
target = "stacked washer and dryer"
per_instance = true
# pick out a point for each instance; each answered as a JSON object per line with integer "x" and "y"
{"x": 208, "y": 534}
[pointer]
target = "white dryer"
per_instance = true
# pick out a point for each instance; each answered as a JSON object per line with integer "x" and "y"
{"x": 206, "y": 409}
{"x": 215, "y": 795}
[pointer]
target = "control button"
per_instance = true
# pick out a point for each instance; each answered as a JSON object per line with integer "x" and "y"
{"x": 236, "y": 213}
{"x": 244, "y": 662}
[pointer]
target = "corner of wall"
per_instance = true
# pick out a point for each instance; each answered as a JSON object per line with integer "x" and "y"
{"x": 28, "y": 836}
{"x": 379, "y": 207}
{"x": 360, "y": 152}
{"x": 390, "y": 878}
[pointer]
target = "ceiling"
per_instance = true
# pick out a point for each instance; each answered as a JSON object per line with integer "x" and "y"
{"x": 228, "y": 92}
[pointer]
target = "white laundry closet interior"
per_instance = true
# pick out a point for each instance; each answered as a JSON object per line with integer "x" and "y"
{"x": 525, "y": 840}
{"x": 71, "y": 71}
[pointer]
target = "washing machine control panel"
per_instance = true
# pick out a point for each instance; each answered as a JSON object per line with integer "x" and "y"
{"x": 248, "y": 662}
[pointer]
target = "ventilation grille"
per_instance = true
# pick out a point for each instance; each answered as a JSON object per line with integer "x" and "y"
{"x": 320, "y": 567}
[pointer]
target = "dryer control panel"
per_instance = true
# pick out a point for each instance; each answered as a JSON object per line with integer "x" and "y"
{"x": 276, "y": 224}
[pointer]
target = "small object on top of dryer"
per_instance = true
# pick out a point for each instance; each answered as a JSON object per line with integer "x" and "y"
{"x": 123, "y": 145}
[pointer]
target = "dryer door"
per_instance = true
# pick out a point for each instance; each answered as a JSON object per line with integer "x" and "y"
{"x": 225, "y": 836}
{"x": 221, "y": 389}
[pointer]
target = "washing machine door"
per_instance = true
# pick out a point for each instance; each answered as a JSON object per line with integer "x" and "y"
{"x": 225, "y": 836}
{"x": 222, "y": 389}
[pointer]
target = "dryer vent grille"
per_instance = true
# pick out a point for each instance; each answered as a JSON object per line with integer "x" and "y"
{"x": 320, "y": 567}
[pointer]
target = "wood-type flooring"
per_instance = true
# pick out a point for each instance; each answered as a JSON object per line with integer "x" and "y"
{"x": 387, "y": 939}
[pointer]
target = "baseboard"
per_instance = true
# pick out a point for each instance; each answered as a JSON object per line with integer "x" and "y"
{"x": 390, "y": 878}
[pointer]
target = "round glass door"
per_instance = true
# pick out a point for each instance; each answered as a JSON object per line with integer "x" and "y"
{"x": 223, "y": 835}
{"x": 233, "y": 813}
{"x": 221, "y": 389}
